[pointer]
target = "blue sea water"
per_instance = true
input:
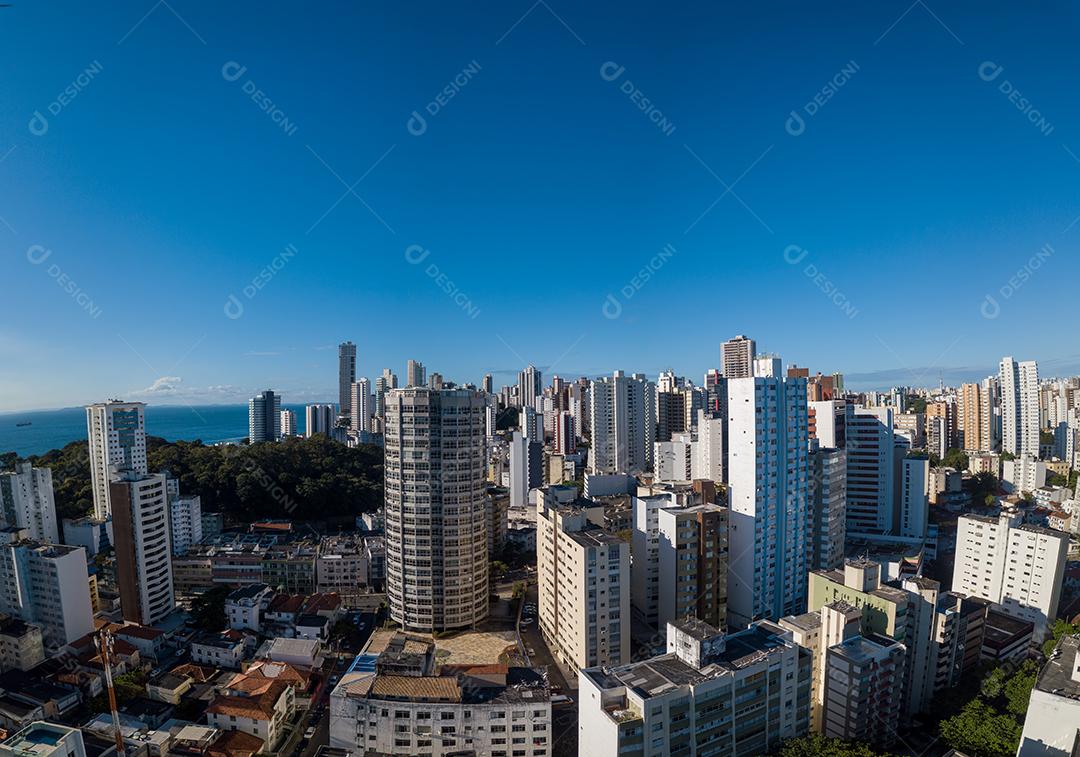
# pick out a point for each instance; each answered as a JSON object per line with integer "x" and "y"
{"x": 52, "y": 429}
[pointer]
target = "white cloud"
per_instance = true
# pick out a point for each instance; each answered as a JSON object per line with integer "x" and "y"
{"x": 163, "y": 385}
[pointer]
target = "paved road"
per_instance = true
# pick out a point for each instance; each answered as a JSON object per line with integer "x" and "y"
{"x": 319, "y": 715}
{"x": 563, "y": 717}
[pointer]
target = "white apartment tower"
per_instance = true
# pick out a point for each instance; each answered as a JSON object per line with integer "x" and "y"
{"x": 737, "y": 357}
{"x": 47, "y": 585}
{"x": 1018, "y": 566}
{"x": 318, "y": 419}
{"x": 621, "y": 423}
{"x": 346, "y": 375}
{"x": 141, "y": 520}
{"x": 870, "y": 470}
{"x": 26, "y": 501}
{"x": 768, "y": 493}
{"x": 360, "y": 405}
{"x": 117, "y": 438}
{"x": 264, "y": 418}
{"x": 436, "y": 522}
{"x": 185, "y": 520}
{"x": 288, "y": 423}
{"x": 1019, "y": 407}
{"x": 529, "y": 386}
{"x": 565, "y": 440}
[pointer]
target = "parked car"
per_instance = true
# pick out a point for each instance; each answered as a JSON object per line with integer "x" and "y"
{"x": 309, "y": 733}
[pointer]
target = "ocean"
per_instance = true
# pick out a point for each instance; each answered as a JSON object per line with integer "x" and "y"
{"x": 52, "y": 429}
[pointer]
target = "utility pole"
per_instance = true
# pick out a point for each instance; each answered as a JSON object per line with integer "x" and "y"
{"x": 104, "y": 643}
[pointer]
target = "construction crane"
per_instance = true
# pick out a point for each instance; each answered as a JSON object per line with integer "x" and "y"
{"x": 104, "y": 644}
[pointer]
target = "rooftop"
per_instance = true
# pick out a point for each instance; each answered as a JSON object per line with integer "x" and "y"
{"x": 696, "y": 628}
{"x": 1056, "y": 676}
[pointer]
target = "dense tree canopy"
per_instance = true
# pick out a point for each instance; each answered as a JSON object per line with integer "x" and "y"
{"x": 816, "y": 745}
{"x": 303, "y": 479}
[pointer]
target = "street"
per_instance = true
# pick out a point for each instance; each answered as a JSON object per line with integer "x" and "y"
{"x": 338, "y": 662}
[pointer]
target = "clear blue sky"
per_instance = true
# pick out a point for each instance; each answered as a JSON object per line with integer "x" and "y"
{"x": 539, "y": 188}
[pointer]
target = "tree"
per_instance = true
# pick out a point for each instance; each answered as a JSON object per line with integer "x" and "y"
{"x": 816, "y": 745}
{"x": 208, "y": 609}
{"x": 1018, "y": 688}
{"x": 981, "y": 732}
{"x": 1060, "y": 628}
{"x": 295, "y": 478}
{"x": 956, "y": 458}
{"x": 993, "y": 684}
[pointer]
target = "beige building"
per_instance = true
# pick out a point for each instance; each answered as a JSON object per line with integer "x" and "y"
{"x": 436, "y": 508}
{"x": 833, "y": 624}
{"x": 584, "y": 577}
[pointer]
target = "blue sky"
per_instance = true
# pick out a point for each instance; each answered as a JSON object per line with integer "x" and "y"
{"x": 935, "y": 158}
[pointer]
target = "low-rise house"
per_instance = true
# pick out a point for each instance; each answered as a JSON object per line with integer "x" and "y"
{"x": 221, "y": 650}
{"x": 328, "y": 605}
{"x": 303, "y": 654}
{"x": 282, "y": 613}
{"x": 168, "y": 687}
{"x": 149, "y": 641}
{"x": 244, "y": 607}
{"x": 259, "y": 702}
{"x": 312, "y": 627}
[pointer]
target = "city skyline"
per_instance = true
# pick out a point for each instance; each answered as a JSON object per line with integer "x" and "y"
{"x": 224, "y": 222}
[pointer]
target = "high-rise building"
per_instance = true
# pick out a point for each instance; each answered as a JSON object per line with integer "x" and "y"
{"x": 415, "y": 374}
{"x": 870, "y": 470}
{"x": 185, "y": 522}
{"x": 519, "y": 470}
{"x": 346, "y": 375}
{"x": 863, "y": 692}
{"x": 360, "y": 405}
{"x": 973, "y": 420}
{"x": 737, "y": 358}
{"x": 264, "y": 417}
{"x": 1019, "y": 407}
{"x": 912, "y": 490}
{"x": 584, "y": 586}
{"x": 565, "y": 440}
{"x": 816, "y": 631}
{"x": 769, "y": 494}
{"x": 47, "y": 585}
{"x": 141, "y": 539}
{"x": 487, "y": 385}
{"x": 695, "y": 700}
{"x": 383, "y": 384}
{"x": 436, "y": 518}
{"x": 693, "y": 564}
{"x": 288, "y": 423}
{"x": 1018, "y": 566}
{"x": 26, "y": 501}
{"x": 117, "y": 439}
{"x": 939, "y": 630}
{"x": 621, "y": 423}
{"x": 530, "y": 386}
{"x": 828, "y": 506}
{"x": 318, "y": 419}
